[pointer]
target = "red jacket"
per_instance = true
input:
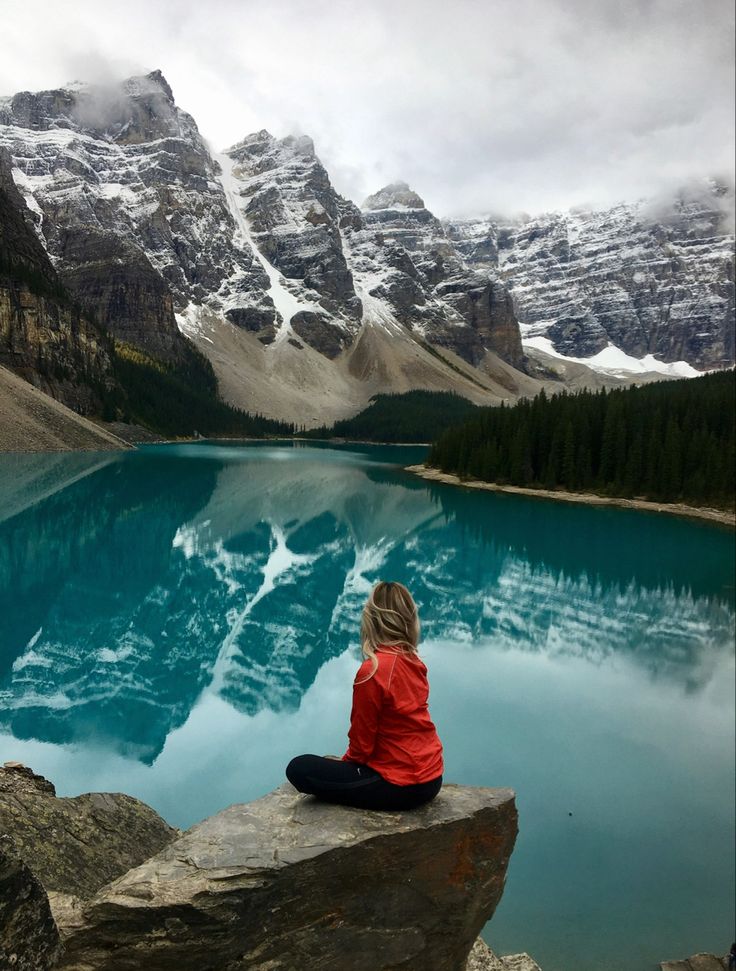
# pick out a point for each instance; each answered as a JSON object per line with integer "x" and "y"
{"x": 390, "y": 727}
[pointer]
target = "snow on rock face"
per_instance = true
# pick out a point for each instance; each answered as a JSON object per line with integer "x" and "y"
{"x": 124, "y": 185}
{"x": 612, "y": 360}
{"x": 651, "y": 280}
{"x": 402, "y": 256}
{"x": 398, "y": 195}
{"x": 148, "y": 228}
{"x": 293, "y": 216}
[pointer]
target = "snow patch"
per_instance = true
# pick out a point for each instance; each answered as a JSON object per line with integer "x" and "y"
{"x": 612, "y": 360}
{"x": 25, "y": 187}
{"x": 190, "y": 323}
{"x": 284, "y": 300}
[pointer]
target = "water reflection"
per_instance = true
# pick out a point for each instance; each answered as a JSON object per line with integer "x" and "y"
{"x": 176, "y": 623}
{"x": 131, "y": 589}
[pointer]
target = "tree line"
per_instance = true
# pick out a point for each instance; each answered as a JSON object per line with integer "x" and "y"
{"x": 670, "y": 441}
{"x": 177, "y": 399}
{"x": 414, "y": 416}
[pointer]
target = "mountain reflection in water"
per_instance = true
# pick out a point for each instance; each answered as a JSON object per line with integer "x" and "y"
{"x": 177, "y": 622}
{"x": 130, "y": 592}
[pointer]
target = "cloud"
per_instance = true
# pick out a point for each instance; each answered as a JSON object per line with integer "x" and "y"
{"x": 481, "y": 105}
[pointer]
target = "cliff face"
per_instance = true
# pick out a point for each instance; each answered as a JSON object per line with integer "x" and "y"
{"x": 125, "y": 189}
{"x": 283, "y": 284}
{"x": 29, "y": 938}
{"x": 408, "y": 260}
{"x": 118, "y": 181}
{"x": 651, "y": 279}
{"x": 293, "y": 212}
{"x": 43, "y": 336}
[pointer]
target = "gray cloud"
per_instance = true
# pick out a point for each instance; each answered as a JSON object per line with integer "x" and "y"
{"x": 482, "y": 105}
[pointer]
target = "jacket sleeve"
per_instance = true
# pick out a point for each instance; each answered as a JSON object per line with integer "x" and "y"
{"x": 364, "y": 718}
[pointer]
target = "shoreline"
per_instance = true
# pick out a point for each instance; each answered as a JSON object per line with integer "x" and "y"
{"x": 718, "y": 517}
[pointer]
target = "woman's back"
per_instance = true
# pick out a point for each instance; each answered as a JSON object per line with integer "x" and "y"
{"x": 394, "y": 760}
{"x": 391, "y": 730}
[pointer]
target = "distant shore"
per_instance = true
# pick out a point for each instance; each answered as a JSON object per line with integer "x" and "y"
{"x": 719, "y": 516}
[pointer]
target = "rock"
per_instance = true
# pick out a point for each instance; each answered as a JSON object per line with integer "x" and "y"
{"x": 294, "y": 214}
{"x": 427, "y": 283}
{"x": 114, "y": 280}
{"x": 76, "y": 845}
{"x": 318, "y": 331}
{"x": 651, "y": 279}
{"x": 142, "y": 226}
{"x": 482, "y": 958}
{"x": 287, "y": 882}
{"x": 394, "y": 196}
{"x": 43, "y": 337}
{"x": 18, "y": 778}
{"x": 519, "y": 962}
{"x": 698, "y": 962}
{"x": 29, "y": 939}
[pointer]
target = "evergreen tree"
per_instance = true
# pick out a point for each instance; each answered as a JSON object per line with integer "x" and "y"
{"x": 667, "y": 441}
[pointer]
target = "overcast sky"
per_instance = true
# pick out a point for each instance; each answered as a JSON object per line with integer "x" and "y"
{"x": 495, "y": 106}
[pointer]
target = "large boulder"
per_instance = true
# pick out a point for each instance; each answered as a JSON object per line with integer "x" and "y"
{"x": 76, "y": 845}
{"x": 29, "y": 939}
{"x": 287, "y": 882}
{"x": 698, "y": 962}
{"x": 482, "y": 958}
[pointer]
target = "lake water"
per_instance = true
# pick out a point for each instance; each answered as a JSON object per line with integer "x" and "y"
{"x": 178, "y": 621}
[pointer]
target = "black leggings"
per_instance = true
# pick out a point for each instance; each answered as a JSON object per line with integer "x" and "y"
{"x": 353, "y": 784}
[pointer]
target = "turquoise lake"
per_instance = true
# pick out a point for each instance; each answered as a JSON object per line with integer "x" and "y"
{"x": 178, "y": 621}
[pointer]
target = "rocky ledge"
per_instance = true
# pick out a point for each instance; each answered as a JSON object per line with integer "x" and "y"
{"x": 698, "y": 962}
{"x": 283, "y": 883}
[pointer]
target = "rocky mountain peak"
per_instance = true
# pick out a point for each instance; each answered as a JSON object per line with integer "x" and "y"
{"x": 294, "y": 215}
{"x": 136, "y": 110}
{"x": 141, "y": 223}
{"x": 256, "y": 143}
{"x": 397, "y": 195}
{"x": 158, "y": 78}
{"x": 300, "y": 145}
{"x": 261, "y": 151}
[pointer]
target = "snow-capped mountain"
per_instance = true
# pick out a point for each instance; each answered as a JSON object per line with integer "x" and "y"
{"x": 650, "y": 279}
{"x": 126, "y": 201}
{"x": 307, "y": 305}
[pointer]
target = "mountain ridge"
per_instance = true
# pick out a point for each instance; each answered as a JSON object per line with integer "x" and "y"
{"x": 303, "y": 302}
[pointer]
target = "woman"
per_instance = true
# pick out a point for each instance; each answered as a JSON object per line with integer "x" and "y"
{"x": 394, "y": 760}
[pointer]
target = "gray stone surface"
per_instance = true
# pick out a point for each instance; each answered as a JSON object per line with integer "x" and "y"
{"x": 482, "y": 958}
{"x": 698, "y": 962}
{"x": 294, "y": 215}
{"x": 519, "y": 962}
{"x": 651, "y": 279}
{"x": 402, "y": 255}
{"x": 29, "y": 939}
{"x": 286, "y": 882}
{"x": 43, "y": 338}
{"x": 77, "y": 845}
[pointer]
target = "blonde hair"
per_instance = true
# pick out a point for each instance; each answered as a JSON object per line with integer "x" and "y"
{"x": 389, "y": 619}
